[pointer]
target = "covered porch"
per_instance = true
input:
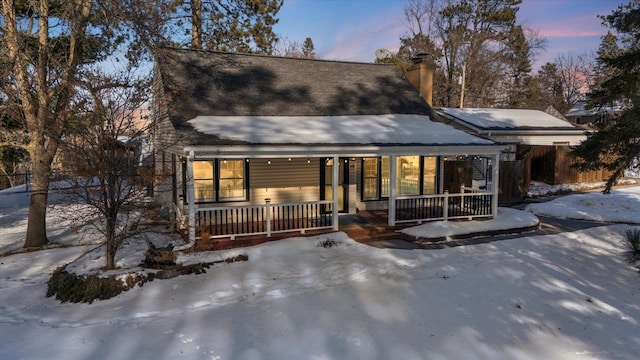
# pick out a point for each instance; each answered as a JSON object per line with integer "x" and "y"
{"x": 304, "y": 193}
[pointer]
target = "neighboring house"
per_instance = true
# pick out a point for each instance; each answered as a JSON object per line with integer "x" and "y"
{"x": 256, "y": 144}
{"x": 140, "y": 148}
{"x": 539, "y": 140}
{"x": 579, "y": 114}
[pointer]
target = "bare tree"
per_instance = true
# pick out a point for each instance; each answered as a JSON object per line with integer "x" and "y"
{"x": 574, "y": 73}
{"x": 290, "y": 48}
{"x": 110, "y": 172}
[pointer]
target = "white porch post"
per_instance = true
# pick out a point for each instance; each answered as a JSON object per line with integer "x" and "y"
{"x": 191, "y": 198}
{"x": 334, "y": 190}
{"x": 495, "y": 177}
{"x": 392, "y": 190}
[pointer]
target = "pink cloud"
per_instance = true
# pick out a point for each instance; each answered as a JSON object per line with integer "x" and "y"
{"x": 360, "y": 44}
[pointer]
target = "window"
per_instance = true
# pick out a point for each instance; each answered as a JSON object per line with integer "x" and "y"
{"x": 232, "y": 180}
{"x": 415, "y": 175}
{"x": 203, "y": 181}
{"x": 370, "y": 179}
{"x": 385, "y": 174}
{"x": 408, "y": 175}
{"x": 430, "y": 169}
{"x": 229, "y": 184}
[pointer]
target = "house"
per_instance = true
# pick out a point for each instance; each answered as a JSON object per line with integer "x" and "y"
{"x": 579, "y": 114}
{"x": 140, "y": 148}
{"x": 540, "y": 141}
{"x": 254, "y": 144}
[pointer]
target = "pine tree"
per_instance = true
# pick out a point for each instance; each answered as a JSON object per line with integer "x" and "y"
{"x": 308, "y": 49}
{"x": 224, "y": 25}
{"x": 616, "y": 147}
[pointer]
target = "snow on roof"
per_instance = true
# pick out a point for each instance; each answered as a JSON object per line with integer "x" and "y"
{"x": 353, "y": 129}
{"x": 507, "y": 118}
{"x": 580, "y": 109}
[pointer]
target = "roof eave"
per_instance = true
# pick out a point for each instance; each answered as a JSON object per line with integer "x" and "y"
{"x": 265, "y": 151}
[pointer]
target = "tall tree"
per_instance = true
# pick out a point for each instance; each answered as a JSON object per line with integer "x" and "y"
{"x": 546, "y": 89}
{"x": 225, "y": 25}
{"x": 616, "y": 147}
{"x": 48, "y": 43}
{"x": 480, "y": 38}
{"x": 518, "y": 57}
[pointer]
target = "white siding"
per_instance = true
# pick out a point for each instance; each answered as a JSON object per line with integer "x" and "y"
{"x": 541, "y": 139}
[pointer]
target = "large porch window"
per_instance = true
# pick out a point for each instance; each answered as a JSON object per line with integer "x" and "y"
{"x": 220, "y": 180}
{"x": 416, "y": 175}
{"x": 203, "y": 181}
{"x": 232, "y": 180}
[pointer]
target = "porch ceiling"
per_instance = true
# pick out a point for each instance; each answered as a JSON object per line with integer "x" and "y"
{"x": 292, "y": 151}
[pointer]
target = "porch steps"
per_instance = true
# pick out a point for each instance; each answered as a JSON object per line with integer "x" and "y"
{"x": 366, "y": 236}
{"x": 369, "y": 226}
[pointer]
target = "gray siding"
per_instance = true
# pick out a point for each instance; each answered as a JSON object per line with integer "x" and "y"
{"x": 284, "y": 180}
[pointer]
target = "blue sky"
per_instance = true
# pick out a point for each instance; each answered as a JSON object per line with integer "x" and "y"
{"x": 352, "y": 30}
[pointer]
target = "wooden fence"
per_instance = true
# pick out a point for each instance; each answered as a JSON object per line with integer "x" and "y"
{"x": 551, "y": 164}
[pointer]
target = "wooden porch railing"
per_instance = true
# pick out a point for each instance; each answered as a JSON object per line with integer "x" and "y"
{"x": 264, "y": 219}
{"x": 465, "y": 205}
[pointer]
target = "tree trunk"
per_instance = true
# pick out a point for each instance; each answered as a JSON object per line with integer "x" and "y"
{"x": 196, "y": 24}
{"x": 110, "y": 233}
{"x": 37, "y": 220}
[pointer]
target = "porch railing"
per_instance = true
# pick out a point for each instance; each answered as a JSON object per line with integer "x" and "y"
{"x": 465, "y": 205}
{"x": 264, "y": 219}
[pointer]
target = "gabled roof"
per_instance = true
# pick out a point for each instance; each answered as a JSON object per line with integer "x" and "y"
{"x": 209, "y": 83}
{"x": 216, "y": 98}
{"x": 507, "y": 119}
{"x": 580, "y": 109}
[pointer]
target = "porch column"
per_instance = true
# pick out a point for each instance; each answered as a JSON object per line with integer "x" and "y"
{"x": 392, "y": 191}
{"x": 334, "y": 190}
{"x": 495, "y": 188}
{"x": 191, "y": 198}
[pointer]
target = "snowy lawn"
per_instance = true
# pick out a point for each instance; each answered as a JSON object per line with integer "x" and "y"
{"x": 565, "y": 296}
{"x": 621, "y": 206}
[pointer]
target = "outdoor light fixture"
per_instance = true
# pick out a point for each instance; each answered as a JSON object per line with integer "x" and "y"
{"x": 308, "y": 161}
{"x": 269, "y": 162}
{"x": 289, "y": 159}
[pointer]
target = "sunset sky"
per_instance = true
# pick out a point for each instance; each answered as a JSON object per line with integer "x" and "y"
{"x": 352, "y": 30}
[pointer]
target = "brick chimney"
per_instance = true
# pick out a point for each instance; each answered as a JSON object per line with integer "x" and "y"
{"x": 420, "y": 75}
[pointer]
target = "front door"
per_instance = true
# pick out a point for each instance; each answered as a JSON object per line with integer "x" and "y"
{"x": 326, "y": 177}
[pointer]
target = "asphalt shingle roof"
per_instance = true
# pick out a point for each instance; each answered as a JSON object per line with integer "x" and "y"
{"x": 208, "y": 83}
{"x": 216, "y": 98}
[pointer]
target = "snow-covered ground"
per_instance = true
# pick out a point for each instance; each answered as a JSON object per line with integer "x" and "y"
{"x": 564, "y": 296}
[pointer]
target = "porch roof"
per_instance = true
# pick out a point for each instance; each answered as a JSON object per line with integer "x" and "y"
{"x": 379, "y": 130}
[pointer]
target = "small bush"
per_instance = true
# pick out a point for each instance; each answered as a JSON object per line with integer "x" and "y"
{"x": 241, "y": 257}
{"x": 69, "y": 287}
{"x": 632, "y": 240}
{"x": 327, "y": 243}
